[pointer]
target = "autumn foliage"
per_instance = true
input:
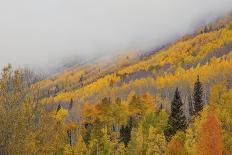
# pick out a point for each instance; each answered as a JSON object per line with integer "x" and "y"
{"x": 210, "y": 139}
{"x": 129, "y": 108}
{"x": 175, "y": 147}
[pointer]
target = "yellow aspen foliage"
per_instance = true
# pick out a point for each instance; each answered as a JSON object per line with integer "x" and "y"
{"x": 67, "y": 150}
{"x": 216, "y": 92}
{"x": 149, "y": 100}
{"x": 102, "y": 144}
{"x": 156, "y": 142}
{"x": 90, "y": 89}
{"x": 61, "y": 114}
{"x": 188, "y": 51}
{"x": 136, "y": 146}
{"x": 224, "y": 110}
{"x": 216, "y": 69}
{"x": 26, "y": 128}
{"x": 80, "y": 147}
{"x": 120, "y": 112}
{"x": 120, "y": 149}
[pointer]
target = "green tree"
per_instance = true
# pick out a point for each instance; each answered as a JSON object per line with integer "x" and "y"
{"x": 125, "y": 132}
{"x": 198, "y": 96}
{"x": 177, "y": 119}
{"x": 191, "y": 109}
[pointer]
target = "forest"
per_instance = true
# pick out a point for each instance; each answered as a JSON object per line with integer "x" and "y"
{"x": 175, "y": 101}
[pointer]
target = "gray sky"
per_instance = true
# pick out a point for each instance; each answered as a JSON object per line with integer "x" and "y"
{"x": 43, "y": 32}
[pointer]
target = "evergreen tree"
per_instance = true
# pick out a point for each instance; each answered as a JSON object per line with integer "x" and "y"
{"x": 198, "y": 96}
{"x": 161, "y": 107}
{"x": 191, "y": 110}
{"x": 69, "y": 134}
{"x": 58, "y": 108}
{"x": 176, "y": 120}
{"x": 125, "y": 132}
{"x": 206, "y": 30}
{"x": 70, "y": 104}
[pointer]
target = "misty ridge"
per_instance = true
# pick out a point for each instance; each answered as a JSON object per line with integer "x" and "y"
{"x": 47, "y": 34}
{"x": 116, "y": 77}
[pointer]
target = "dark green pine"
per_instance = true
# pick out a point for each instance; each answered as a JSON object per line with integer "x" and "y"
{"x": 177, "y": 119}
{"x": 198, "y": 96}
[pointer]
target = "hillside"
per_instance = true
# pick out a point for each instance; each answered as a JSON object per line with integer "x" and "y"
{"x": 176, "y": 100}
{"x": 133, "y": 101}
{"x": 161, "y": 70}
{"x": 116, "y": 77}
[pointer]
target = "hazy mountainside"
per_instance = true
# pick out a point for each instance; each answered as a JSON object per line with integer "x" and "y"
{"x": 119, "y": 61}
{"x": 172, "y": 101}
{"x": 217, "y": 24}
{"x": 79, "y": 75}
{"x": 83, "y": 83}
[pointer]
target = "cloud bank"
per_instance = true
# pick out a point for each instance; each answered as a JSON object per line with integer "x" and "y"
{"x": 43, "y": 32}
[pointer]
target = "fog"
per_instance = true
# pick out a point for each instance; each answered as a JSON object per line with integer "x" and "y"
{"x": 42, "y": 33}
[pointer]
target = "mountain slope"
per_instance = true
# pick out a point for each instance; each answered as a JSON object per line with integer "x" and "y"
{"x": 174, "y": 101}
{"x": 203, "y": 52}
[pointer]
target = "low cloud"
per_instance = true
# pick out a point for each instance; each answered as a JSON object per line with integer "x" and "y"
{"x": 43, "y": 32}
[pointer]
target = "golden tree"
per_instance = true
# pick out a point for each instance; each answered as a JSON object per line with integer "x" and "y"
{"x": 26, "y": 128}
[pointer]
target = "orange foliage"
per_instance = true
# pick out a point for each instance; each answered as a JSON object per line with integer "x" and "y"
{"x": 71, "y": 125}
{"x": 175, "y": 147}
{"x": 210, "y": 140}
{"x": 89, "y": 113}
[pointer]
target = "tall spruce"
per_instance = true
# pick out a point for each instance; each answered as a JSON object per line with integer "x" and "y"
{"x": 198, "y": 96}
{"x": 191, "y": 110}
{"x": 177, "y": 119}
{"x": 70, "y": 104}
{"x": 125, "y": 132}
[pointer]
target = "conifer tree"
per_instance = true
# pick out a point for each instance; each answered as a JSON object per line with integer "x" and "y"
{"x": 69, "y": 134}
{"x": 177, "y": 119}
{"x": 70, "y": 104}
{"x": 125, "y": 132}
{"x": 198, "y": 96}
{"x": 161, "y": 107}
{"x": 206, "y": 30}
{"x": 58, "y": 108}
{"x": 191, "y": 110}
